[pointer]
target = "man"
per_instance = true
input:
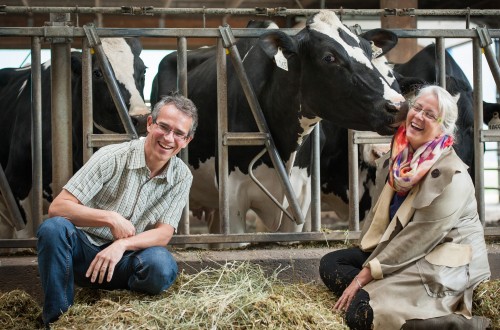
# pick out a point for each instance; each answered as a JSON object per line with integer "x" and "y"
{"x": 109, "y": 226}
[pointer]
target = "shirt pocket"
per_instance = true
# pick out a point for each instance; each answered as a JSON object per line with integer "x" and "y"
{"x": 445, "y": 270}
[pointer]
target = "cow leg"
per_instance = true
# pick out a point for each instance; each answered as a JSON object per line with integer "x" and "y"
{"x": 236, "y": 226}
{"x": 6, "y": 228}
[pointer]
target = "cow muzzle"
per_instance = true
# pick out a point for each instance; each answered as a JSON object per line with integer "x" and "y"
{"x": 140, "y": 123}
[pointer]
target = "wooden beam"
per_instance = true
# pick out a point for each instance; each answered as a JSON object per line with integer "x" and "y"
{"x": 119, "y": 21}
{"x": 405, "y": 48}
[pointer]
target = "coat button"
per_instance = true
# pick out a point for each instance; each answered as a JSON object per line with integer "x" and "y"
{"x": 435, "y": 173}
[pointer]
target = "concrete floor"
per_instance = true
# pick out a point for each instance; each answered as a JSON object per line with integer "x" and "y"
{"x": 298, "y": 264}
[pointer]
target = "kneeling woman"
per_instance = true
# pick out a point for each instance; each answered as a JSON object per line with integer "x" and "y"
{"x": 421, "y": 251}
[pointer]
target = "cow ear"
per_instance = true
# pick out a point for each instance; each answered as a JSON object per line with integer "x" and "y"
{"x": 409, "y": 85}
{"x": 135, "y": 45}
{"x": 271, "y": 41}
{"x": 382, "y": 38}
{"x": 76, "y": 63}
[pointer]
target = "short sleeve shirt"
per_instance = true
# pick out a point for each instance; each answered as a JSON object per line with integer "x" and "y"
{"x": 116, "y": 178}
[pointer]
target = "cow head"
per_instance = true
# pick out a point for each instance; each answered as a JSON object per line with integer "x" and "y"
{"x": 129, "y": 71}
{"x": 338, "y": 81}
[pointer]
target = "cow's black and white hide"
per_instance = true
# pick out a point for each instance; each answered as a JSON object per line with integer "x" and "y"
{"x": 330, "y": 76}
{"x": 15, "y": 114}
{"x": 424, "y": 66}
{"x": 419, "y": 70}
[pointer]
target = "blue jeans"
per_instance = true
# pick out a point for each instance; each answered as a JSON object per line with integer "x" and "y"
{"x": 65, "y": 254}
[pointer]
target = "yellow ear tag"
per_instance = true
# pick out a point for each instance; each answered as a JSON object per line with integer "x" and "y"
{"x": 281, "y": 61}
{"x": 227, "y": 51}
{"x": 92, "y": 51}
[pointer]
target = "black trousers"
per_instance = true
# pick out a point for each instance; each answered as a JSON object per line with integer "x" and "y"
{"x": 337, "y": 270}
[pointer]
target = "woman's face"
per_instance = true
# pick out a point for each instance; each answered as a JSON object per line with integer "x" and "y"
{"x": 423, "y": 122}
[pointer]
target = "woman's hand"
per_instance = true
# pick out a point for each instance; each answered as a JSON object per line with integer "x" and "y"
{"x": 347, "y": 296}
{"x": 364, "y": 277}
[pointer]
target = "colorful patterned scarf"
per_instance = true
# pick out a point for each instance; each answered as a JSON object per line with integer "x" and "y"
{"x": 407, "y": 166}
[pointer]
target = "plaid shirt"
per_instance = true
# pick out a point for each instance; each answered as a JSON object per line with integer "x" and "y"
{"x": 116, "y": 178}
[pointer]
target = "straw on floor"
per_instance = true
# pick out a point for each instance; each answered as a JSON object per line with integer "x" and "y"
{"x": 238, "y": 295}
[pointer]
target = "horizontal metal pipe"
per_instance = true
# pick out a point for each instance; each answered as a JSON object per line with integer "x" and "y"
{"x": 78, "y": 32}
{"x": 280, "y": 11}
{"x": 101, "y": 140}
{"x": 240, "y": 138}
{"x": 490, "y": 233}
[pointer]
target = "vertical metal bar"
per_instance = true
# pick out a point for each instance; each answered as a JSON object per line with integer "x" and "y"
{"x": 353, "y": 182}
{"x": 107, "y": 72}
{"x": 493, "y": 64}
{"x": 497, "y": 52}
{"x": 440, "y": 59}
{"x": 485, "y": 43}
{"x": 182, "y": 87}
{"x": 62, "y": 168}
{"x": 315, "y": 180}
{"x": 478, "y": 123}
{"x": 36, "y": 134}
{"x": 87, "y": 100}
{"x": 223, "y": 128}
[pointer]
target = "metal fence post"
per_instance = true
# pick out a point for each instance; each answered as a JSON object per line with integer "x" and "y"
{"x": 62, "y": 149}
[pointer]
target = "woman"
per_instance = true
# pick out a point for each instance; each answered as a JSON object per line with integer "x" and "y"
{"x": 421, "y": 251}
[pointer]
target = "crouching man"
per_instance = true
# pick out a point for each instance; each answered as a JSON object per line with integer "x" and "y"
{"x": 97, "y": 234}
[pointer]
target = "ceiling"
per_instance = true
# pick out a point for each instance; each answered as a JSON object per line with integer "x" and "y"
{"x": 155, "y": 21}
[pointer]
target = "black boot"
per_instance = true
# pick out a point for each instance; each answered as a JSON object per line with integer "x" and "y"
{"x": 449, "y": 322}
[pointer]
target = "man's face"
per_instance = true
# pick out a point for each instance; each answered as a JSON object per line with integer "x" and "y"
{"x": 168, "y": 134}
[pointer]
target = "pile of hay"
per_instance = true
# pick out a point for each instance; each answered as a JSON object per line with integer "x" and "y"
{"x": 486, "y": 302}
{"x": 238, "y": 295}
{"x": 18, "y": 310}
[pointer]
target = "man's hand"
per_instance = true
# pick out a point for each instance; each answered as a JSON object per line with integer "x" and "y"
{"x": 105, "y": 261}
{"x": 120, "y": 227}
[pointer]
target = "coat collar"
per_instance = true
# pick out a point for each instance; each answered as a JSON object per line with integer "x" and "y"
{"x": 438, "y": 178}
{"x": 435, "y": 181}
{"x": 432, "y": 185}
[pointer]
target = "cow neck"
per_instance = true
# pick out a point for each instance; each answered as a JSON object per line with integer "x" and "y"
{"x": 283, "y": 111}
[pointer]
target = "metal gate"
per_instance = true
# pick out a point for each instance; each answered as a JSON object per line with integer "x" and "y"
{"x": 479, "y": 37}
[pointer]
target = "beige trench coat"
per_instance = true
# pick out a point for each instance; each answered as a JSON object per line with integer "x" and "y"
{"x": 427, "y": 260}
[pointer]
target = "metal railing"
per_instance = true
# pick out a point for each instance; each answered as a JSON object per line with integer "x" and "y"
{"x": 481, "y": 136}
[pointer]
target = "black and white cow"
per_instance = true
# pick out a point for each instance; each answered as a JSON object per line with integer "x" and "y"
{"x": 334, "y": 167}
{"x": 330, "y": 76}
{"x": 423, "y": 65}
{"x": 420, "y": 69}
{"x": 15, "y": 114}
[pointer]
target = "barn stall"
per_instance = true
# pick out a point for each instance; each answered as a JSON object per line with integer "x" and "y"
{"x": 90, "y": 38}
{"x": 481, "y": 38}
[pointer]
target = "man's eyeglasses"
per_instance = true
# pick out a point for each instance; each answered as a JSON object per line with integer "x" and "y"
{"x": 429, "y": 114}
{"x": 165, "y": 129}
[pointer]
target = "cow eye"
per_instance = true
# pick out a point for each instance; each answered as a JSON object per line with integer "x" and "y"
{"x": 329, "y": 58}
{"x": 97, "y": 74}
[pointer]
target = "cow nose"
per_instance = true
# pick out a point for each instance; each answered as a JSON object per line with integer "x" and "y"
{"x": 140, "y": 123}
{"x": 398, "y": 106}
{"x": 139, "y": 110}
